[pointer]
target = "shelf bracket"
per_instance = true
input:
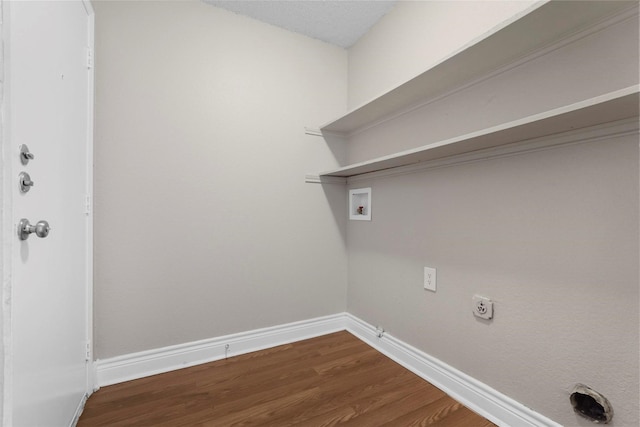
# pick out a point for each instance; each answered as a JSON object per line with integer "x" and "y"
{"x": 311, "y": 131}
{"x": 317, "y": 179}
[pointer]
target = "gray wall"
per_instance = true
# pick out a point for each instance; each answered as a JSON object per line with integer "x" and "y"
{"x": 551, "y": 236}
{"x": 205, "y": 227}
{"x": 203, "y": 223}
{"x": 416, "y": 35}
{"x": 588, "y": 67}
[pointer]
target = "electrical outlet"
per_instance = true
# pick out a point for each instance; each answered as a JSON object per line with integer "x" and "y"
{"x": 482, "y": 307}
{"x": 430, "y": 279}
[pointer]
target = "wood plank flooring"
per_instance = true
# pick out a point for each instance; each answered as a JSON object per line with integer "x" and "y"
{"x": 331, "y": 380}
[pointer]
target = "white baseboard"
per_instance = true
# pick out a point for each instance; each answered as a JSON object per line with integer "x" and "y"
{"x": 473, "y": 394}
{"x": 146, "y": 363}
{"x": 477, "y": 396}
{"x": 79, "y": 409}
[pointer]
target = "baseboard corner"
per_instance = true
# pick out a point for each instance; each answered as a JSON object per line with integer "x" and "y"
{"x": 156, "y": 361}
{"x": 477, "y": 396}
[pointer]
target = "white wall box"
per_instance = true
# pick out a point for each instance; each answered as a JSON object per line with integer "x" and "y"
{"x": 360, "y": 204}
{"x": 540, "y": 29}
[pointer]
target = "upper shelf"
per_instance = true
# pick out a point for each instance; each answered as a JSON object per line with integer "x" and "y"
{"x": 614, "y": 106}
{"x": 539, "y": 26}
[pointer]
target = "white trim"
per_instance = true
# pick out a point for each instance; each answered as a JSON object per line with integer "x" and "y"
{"x": 79, "y": 409}
{"x": 90, "y": 369}
{"x": 151, "y": 362}
{"x": 477, "y": 396}
{"x": 6, "y": 227}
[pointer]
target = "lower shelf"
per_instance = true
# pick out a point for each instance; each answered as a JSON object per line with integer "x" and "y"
{"x": 611, "y": 107}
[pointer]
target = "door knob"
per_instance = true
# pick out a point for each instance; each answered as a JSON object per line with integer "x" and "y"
{"x": 25, "y": 229}
{"x": 25, "y": 155}
{"x": 25, "y": 182}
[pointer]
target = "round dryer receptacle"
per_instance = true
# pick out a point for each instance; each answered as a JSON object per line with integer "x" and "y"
{"x": 590, "y": 404}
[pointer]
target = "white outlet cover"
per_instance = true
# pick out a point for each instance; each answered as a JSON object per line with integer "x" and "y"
{"x": 482, "y": 307}
{"x": 430, "y": 279}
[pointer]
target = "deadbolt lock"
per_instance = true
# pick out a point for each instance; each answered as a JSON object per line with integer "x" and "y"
{"x": 25, "y": 154}
{"x": 25, "y": 182}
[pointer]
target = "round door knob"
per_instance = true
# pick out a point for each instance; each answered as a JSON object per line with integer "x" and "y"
{"x": 25, "y": 228}
{"x": 42, "y": 228}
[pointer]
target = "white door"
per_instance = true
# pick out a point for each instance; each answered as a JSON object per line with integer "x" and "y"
{"x": 47, "y": 97}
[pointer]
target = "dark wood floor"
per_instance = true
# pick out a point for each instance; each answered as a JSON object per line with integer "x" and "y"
{"x": 331, "y": 380}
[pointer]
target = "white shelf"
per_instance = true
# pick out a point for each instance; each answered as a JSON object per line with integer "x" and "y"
{"x": 538, "y": 27}
{"x": 611, "y": 107}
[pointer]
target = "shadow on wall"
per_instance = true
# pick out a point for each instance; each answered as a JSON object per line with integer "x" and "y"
{"x": 336, "y": 195}
{"x": 337, "y": 144}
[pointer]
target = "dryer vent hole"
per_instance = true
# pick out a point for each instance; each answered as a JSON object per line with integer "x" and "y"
{"x": 591, "y": 405}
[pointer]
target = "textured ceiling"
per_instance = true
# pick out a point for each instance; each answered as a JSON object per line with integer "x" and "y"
{"x": 337, "y": 22}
